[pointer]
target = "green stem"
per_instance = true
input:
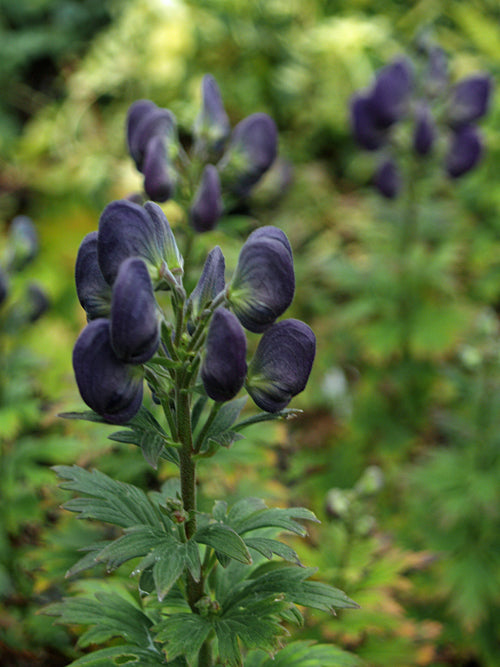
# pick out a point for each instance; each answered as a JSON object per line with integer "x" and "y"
{"x": 205, "y": 654}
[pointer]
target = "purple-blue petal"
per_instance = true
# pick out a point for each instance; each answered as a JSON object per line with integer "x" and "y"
{"x": 470, "y": 100}
{"x": 387, "y": 179}
{"x": 108, "y": 385}
{"x": 154, "y": 122}
{"x": 207, "y": 206}
{"x": 425, "y": 131}
{"x": 366, "y": 132}
{"x": 281, "y": 365}
{"x": 4, "y": 286}
{"x": 211, "y": 282}
{"x": 212, "y": 124}
{"x": 391, "y": 91}
{"x": 93, "y": 291}
{"x": 135, "y": 116}
{"x": 159, "y": 175}
{"x": 135, "y": 332}
{"x": 38, "y": 302}
{"x": 23, "y": 243}
{"x": 465, "y": 151}
{"x": 224, "y": 367}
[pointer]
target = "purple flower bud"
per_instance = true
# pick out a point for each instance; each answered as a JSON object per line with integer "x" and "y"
{"x": 437, "y": 73}
{"x": 38, "y": 302}
{"x": 387, "y": 179}
{"x": 109, "y": 386}
{"x": 134, "y": 328}
{"x": 144, "y": 121}
{"x": 93, "y": 291}
{"x": 211, "y": 127}
{"x": 207, "y": 206}
{"x": 129, "y": 230}
{"x": 281, "y": 365}
{"x": 469, "y": 100}
{"x": 389, "y": 98}
{"x": 263, "y": 283}
{"x": 365, "y": 130}
{"x": 224, "y": 367}
{"x": 159, "y": 174}
{"x": 23, "y": 243}
{"x": 4, "y": 286}
{"x": 210, "y": 284}
{"x": 465, "y": 151}
{"x": 425, "y": 131}
{"x": 137, "y": 112}
{"x": 251, "y": 151}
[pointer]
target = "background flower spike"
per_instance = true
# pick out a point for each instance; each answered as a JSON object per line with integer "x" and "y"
{"x": 425, "y": 131}
{"x": 109, "y": 386}
{"x": 263, "y": 283}
{"x": 224, "y": 367}
{"x": 94, "y": 293}
{"x": 22, "y": 244}
{"x": 465, "y": 151}
{"x": 387, "y": 179}
{"x": 134, "y": 328}
{"x": 390, "y": 94}
{"x": 469, "y": 100}
{"x": 281, "y": 365}
{"x": 366, "y": 132}
{"x": 4, "y": 286}
{"x": 212, "y": 127}
{"x": 207, "y": 206}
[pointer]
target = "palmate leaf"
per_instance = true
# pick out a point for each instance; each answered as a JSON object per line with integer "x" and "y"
{"x": 109, "y": 614}
{"x": 110, "y": 501}
{"x": 251, "y": 514}
{"x": 183, "y": 635}
{"x": 125, "y": 654}
{"x": 224, "y": 540}
{"x": 304, "y": 654}
{"x": 220, "y": 432}
{"x": 268, "y": 547}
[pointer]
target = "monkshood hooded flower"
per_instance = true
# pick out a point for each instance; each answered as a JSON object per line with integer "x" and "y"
{"x": 108, "y": 385}
{"x": 134, "y": 328}
{"x": 210, "y": 284}
{"x": 424, "y": 132}
{"x": 23, "y": 243}
{"x": 281, "y": 365}
{"x": 207, "y": 207}
{"x": 387, "y": 179}
{"x": 263, "y": 283}
{"x": 224, "y": 367}
{"x": 469, "y": 100}
{"x": 94, "y": 293}
{"x": 152, "y": 142}
{"x": 211, "y": 128}
{"x": 465, "y": 151}
{"x": 129, "y": 230}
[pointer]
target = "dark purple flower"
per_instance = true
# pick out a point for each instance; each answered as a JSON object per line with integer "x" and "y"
{"x": 281, "y": 365}
{"x": 465, "y": 151}
{"x": 212, "y": 126}
{"x": 263, "y": 283}
{"x": 93, "y": 291}
{"x": 224, "y": 366}
{"x": 144, "y": 121}
{"x": 436, "y": 79}
{"x": 210, "y": 284}
{"x": 159, "y": 174}
{"x": 129, "y": 230}
{"x": 251, "y": 151}
{"x": 136, "y": 114}
{"x": 366, "y": 132}
{"x": 23, "y": 243}
{"x": 387, "y": 179}
{"x": 4, "y": 286}
{"x": 109, "y": 386}
{"x": 391, "y": 91}
{"x": 425, "y": 131}
{"x": 469, "y": 100}
{"x": 38, "y": 302}
{"x": 134, "y": 328}
{"x": 207, "y": 206}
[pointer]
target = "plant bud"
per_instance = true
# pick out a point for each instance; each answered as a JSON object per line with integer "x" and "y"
{"x": 159, "y": 174}
{"x": 109, "y": 386}
{"x": 211, "y": 128}
{"x": 436, "y": 79}
{"x": 224, "y": 367}
{"x": 469, "y": 100}
{"x": 4, "y": 286}
{"x": 144, "y": 121}
{"x": 23, "y": 243}
{"x": 425, "y": 131}
{"x": 281, "y": 365}
{"x": 263, "y": 283}
{"x": 365, "y": 130}
{"x": 129, "y": 230}
{"x": 136, "y": 114}
{"x": 391, "y": 91}
{"x": 134, "y": 328}
{"x": 207, "y": 206}
{"x": 251, "y": 151}
{"x": 93, "y": 291}
{"x": 38, "y": 302}
{"x": 465, "y": 151}
{"x": 387, "y": 179}
{"x": 210, "y": 284}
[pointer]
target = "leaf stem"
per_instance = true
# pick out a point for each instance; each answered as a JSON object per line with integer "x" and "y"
{"x": 209, "y": 421}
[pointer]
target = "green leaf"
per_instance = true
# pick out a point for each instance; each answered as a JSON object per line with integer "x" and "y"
{"x": 125, "y": 654}
{"x": 86, "y": 415}
{"x": 225, "y": 439}
{"x": 223, "y": 421}
{"x": 224, "y": 540}
{"x": 193, "y": 559}
{"x": 251, "y": 514}
{"x": 184, "y": 635}
{"x": 170, "y": 560}
{"x": 139, "y": 541}
{"x": 305, "y": 654}
{"x": 267, "y": 547}
{"x": 283, "y": 415}
{"x": 110, "y": 614}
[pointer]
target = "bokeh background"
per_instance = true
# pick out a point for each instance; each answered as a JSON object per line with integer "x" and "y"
{"x": 399, "y": 455}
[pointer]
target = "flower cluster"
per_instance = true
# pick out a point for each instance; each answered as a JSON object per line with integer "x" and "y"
{"x": 424, "y": 114}
{"x": 21, "y": 249}
{"x": 222, "y": 167}
{"x": 133, "y": 255}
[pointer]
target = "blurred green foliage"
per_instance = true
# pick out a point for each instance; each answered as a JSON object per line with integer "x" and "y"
{"x": 425, "y": 567}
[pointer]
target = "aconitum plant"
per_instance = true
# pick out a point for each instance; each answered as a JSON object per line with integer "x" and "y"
{"x": 412, "y": 112}
{"x": 219, "y": 169}
{"x": 168, "y": 367}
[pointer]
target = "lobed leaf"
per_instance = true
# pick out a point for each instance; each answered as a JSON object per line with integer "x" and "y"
{"x": 224, "y": 540}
